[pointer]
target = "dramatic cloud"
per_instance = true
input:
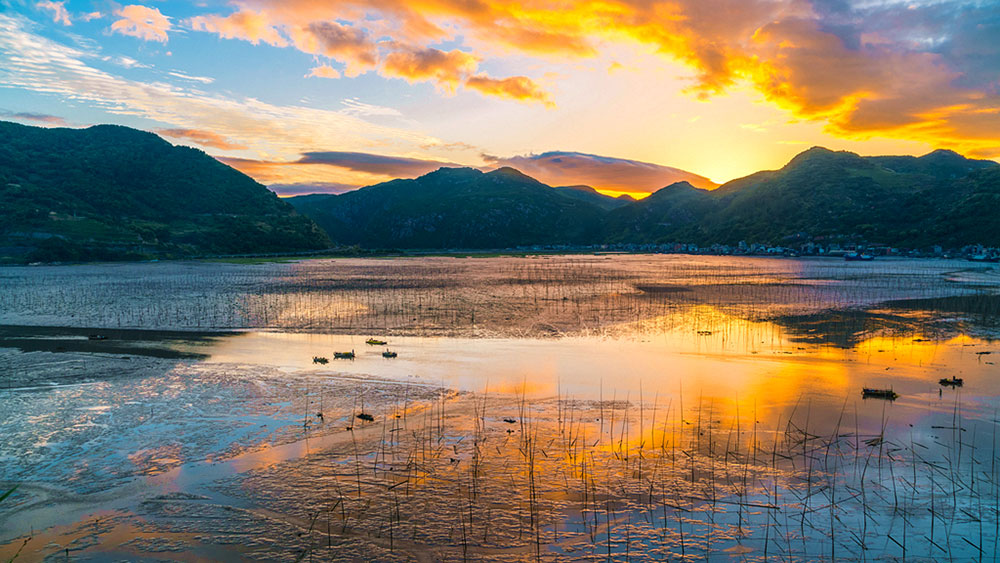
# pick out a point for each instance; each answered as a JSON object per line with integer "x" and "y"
{"x": 35, "y": 117}
{"x": 924, "y": 71}
{"x": 143, "y": 22}
{"x": 601, "y": 172}
{"x": 203, "y": 138}
{"x": 316, "y": 29}
{"x": 58, "y": 9}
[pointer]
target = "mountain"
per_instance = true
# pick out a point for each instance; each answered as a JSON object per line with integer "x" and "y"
{"x": 456, "y": 208}
{"x": 111, "y": 192}
{"x": 590, "y": 195}
{"x": 904, "y": 201}
{"x": 674, "y": 212}
{"x": 607, "y": 173}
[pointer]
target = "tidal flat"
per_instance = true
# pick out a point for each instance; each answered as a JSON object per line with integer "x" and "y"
{"x": 579, "y": 408}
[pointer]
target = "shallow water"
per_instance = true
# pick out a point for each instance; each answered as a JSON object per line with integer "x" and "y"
{"x": 127, "y": 458}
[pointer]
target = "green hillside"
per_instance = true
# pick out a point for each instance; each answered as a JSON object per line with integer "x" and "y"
{"x": 455, "y": 208}
{"x": 111, "y": 192}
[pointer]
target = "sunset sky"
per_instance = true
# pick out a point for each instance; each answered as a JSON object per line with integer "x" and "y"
{"x": 326, "y": 95}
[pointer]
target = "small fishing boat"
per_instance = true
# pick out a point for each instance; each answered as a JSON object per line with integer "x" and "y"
{"x": 365, "y": 417}
{"x": 953, "y": 382}
{"x": 375, "y": 342}
{"x": 870, "y": 393}
{"x": 320, "y": 360}
{"x": 858, "y": 257}
{"x": 343, "y": 355}
{"x": 389, "y": 354}
{"x": 96, "y": 337}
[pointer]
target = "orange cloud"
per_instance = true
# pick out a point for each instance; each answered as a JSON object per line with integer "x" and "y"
{"x": 323, "y": 71}
{"x": 251, "y": 26}
{"x": 314, "y": 28}
{"x": 610, "y": 175}
{"x": 349, "y": 45}
{"x": 613, "y": 176}
{"x": 445, "y": 68}
{"x": 203, "y": 138}
{"x": 143, "y": 22}
{"x": 36, "y": 117}
{"x": 519, "y": 88}
{"x": 927, "y": 72}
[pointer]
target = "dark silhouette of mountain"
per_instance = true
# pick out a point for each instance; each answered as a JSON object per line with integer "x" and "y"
{"x": 939, "y": 198}
{"x": 673, "y": 211}
{"x": 112, "y": 192}
{"x": 590, "y": 195}
{"x": 455, "y": 208}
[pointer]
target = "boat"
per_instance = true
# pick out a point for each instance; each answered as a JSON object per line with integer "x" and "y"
{"x": 375, "y": 342}
{"x": 870, "y": 393}
{"x": 365, "y": 417}
{"x": 343, "y": 355}
{"x": 858, "y": 257}
{"x": 96, "y": 337}
{"x": 320, "y": 360}
{"x": 389, "y": 354}
{"x": 953, "y": 382}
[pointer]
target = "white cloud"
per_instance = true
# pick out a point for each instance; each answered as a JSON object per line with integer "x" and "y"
{"x": 353, "y": 106}
{"x": 37, "y": 64}
{"x": 192, "y": 78}
{"x": 58, "y": 9}
{"x": 143, "y": 22}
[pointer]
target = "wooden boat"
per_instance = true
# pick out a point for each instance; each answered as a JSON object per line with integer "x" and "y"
{"x": 953, "y": 382}
{"x": 389, "y": 354}
{"x": 870, "y": 393}
{"x": 343, "y": 355}
{"x": 320, "y": 360}
{"x": 365, "y": 417}
{"x": 375, "y": 342}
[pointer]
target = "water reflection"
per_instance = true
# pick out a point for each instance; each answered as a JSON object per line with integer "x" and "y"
{"x": 636, "y": 408}
{"x": 703, "y": 354}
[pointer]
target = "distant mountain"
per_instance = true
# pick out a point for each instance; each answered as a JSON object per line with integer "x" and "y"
{"x": 111, "y": 192}
{"x": 604, "y": 172}
{"x": 456, "y": 208}
{"x": 590, "y": 195}
{"x": 821, "y": 193}
{"x": 939, "y": 198}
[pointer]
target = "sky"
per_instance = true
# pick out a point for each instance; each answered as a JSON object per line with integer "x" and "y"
{"x": 623, "y": 95}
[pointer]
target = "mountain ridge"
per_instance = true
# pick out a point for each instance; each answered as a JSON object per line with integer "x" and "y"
{"x": 819, "y": 193}
{"x": 113, "y": 192}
